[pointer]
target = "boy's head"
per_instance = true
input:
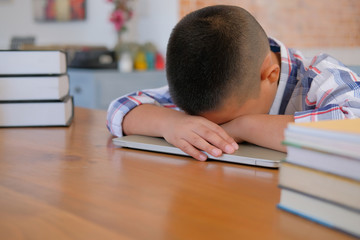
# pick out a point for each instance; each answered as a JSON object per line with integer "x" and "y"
{"x": 215, "y": 54}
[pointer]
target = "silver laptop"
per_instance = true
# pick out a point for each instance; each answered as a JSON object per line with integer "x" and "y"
{"x": 246, "y": 154}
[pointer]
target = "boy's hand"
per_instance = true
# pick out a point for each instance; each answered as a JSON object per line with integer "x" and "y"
{"x": 193, "y": 134}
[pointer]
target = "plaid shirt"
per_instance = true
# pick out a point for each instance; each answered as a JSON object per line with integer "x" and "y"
{"x": 321, "y": 88}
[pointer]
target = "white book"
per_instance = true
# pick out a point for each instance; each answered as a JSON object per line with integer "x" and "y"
{"x": 32, "y": 62}
{"x": 328, "y": 162}
{"x": 36, "y": 114}
{"x": 29, "y": 88}
{"x": 327, "y": 186}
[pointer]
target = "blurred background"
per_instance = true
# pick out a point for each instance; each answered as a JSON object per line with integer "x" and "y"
{"x": 131, "y": 35}
{"x": 310, "y": 25}
{"x": 152, "y": 21}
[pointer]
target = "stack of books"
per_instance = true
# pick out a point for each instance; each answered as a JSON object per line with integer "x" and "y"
{"x": 34, "y": 89}
{"x": 320, "y": 179}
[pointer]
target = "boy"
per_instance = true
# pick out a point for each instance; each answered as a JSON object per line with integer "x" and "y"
{"x": 234, "y": 84}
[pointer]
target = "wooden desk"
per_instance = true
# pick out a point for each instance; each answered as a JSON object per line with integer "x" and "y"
{"x": 71, "y": 183}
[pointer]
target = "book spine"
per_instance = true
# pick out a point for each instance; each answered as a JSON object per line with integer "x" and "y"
{"x": 72, "y": 110}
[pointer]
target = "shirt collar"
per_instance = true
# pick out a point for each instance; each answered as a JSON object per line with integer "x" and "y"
{"x": 276, "y": 46}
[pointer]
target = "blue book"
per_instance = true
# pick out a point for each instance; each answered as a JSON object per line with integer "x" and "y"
{"x": 320, "y": 211}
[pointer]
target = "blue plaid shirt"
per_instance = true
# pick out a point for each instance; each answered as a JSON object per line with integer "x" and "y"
{"x": 321, "y": 88}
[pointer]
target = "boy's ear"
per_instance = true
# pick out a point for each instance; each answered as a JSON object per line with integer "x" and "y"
{"x": 270, "y": 70}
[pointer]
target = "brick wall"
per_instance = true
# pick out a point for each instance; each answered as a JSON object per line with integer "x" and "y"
{"x": 299, "y": 23}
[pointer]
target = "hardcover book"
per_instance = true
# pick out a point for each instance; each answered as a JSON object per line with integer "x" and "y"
{"x": 32, "y": 62}
{"x": 36, "y": 114}
{"x": 34, "y": 88}
{"x": 327, "y": 186}
{"x": 325, "y": 213}
{"x": 320, "y": 178}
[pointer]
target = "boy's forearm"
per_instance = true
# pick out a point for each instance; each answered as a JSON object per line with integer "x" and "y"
{"x": 146, "y": 119}
{"x": 261, "y": 129}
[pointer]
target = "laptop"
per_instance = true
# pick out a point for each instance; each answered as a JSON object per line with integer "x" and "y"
{"x": 246, "y": 154}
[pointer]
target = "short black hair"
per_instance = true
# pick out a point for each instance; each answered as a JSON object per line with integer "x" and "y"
{"x": 212, "y": 54}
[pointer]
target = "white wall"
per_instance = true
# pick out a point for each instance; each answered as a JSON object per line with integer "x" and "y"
{"x": 153, "y": 21}
{"x": 156, "y": 20}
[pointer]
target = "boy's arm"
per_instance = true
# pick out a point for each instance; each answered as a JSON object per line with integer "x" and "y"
{"x": 189, "y": 133}
{"x": 260, "y": 129}
{"x": 334, "y": 93}
{"x": 151, "y": 112}
{"x": 122, "y": 105}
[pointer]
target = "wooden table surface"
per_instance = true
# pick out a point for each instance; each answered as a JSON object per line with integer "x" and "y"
{"x": 72, "y": 183}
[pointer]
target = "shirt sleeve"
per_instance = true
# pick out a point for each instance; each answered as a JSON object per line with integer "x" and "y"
{"x": 334, "y": 92}
{"x": 119, "y": 107}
